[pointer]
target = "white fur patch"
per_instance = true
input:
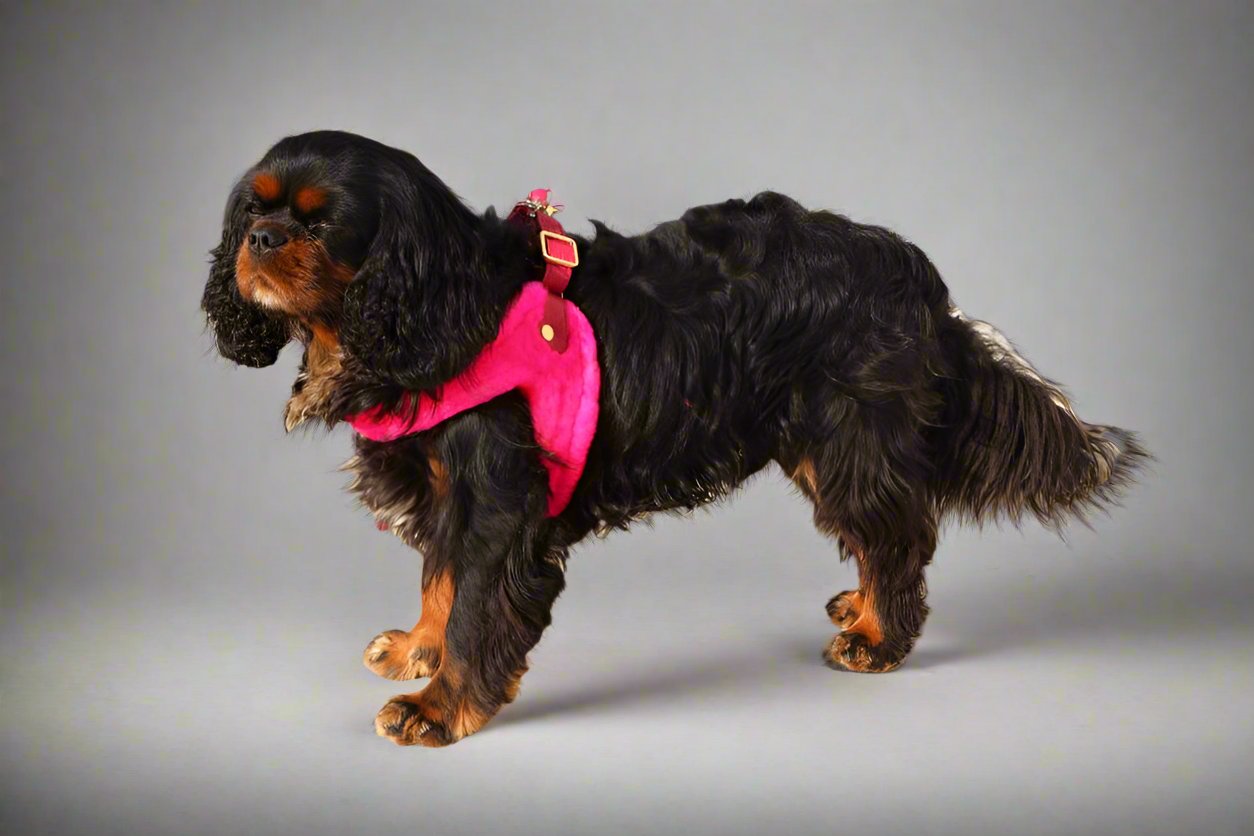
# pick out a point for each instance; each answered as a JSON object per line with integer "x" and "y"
{"x": 266, "y": 299}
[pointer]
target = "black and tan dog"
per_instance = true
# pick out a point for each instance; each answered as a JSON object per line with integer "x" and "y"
{"x": 742, "y": 334}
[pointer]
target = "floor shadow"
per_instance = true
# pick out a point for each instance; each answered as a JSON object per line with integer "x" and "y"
{"x": 936, "y": 657}
{"x": 1140, "y": 606}
{"x": 655, "y": 685}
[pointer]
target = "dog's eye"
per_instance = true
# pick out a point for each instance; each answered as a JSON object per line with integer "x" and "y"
{"x": 254, "y": 208}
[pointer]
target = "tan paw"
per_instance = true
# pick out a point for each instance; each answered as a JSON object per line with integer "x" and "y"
{"x": 406, "y": 721}
{"x": 844, "y": 609}
{"x": 393, "y": 654}
{"x": 850, "y": 651}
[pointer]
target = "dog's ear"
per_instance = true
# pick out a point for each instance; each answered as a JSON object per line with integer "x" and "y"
{"x": 245, "y": 332}
{"x": 424, "y": 302}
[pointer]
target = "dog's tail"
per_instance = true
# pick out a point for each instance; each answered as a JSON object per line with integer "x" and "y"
{"x": 1013, "y": 444}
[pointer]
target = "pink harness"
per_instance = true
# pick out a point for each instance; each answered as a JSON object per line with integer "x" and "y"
{"x": 545, "y": 349}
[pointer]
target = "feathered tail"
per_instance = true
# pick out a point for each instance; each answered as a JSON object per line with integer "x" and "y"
{"x": 1013, "y": 443}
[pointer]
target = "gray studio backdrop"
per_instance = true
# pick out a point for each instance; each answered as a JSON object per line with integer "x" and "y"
{"x": 186, "y": 591}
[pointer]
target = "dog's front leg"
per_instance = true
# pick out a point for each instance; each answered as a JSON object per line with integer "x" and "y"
{"x": 416, "y": 653}
{"x": 491, "y": 575}
{"x": 315, "y": 383}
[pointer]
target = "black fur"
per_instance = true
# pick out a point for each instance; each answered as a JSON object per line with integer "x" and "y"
{"x": 429, "y": 294}
{"x": 244, "y": 332}
{"x": 744, "y": 333}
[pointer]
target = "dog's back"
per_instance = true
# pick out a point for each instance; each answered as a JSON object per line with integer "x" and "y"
{"x": 717, "y": 330}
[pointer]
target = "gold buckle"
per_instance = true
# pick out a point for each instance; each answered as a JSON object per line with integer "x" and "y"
{"x": 545, "y": 235}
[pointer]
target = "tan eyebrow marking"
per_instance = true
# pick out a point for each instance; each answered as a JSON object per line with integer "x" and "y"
{"x": 310, "y": 199}
{"x": 266, "y": 186}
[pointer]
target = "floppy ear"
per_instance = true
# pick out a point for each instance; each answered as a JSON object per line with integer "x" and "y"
{"x": 424, "y": 302}
{"x": 245, "y": 332}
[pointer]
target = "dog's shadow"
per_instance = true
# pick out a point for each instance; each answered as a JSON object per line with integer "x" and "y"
{"x": 988, "y": 621}
{"x": 656, "y": 685}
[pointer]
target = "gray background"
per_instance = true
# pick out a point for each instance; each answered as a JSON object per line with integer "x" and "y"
{"x": 186, "y": 592}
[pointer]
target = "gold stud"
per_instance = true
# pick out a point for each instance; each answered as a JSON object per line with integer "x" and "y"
{"x": 546, "y": 331}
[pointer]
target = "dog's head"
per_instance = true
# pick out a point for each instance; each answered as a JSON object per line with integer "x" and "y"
{"x": 337, "y": 237}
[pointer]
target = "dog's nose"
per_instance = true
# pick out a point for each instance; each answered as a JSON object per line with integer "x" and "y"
{"x": 266, "y": 238}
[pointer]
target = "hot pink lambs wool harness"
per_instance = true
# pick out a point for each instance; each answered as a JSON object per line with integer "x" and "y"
{"x": 545, "y": 349}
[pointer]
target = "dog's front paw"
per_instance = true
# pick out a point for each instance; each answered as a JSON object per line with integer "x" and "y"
{"x": 852, "y": 651}
{"x": 393, "y": 654}
{"x": 406, "y": 721}
{"x": 296, "y": 412}
{"x": 844, "y": 609}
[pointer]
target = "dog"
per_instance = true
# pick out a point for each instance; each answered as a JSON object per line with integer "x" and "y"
{"x": 742, "y": 334}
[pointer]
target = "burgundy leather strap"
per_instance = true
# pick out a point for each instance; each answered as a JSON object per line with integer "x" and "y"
{"x": 561, "y": 256}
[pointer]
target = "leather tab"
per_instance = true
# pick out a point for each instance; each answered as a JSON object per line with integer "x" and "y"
{"x": 555, "y": 317}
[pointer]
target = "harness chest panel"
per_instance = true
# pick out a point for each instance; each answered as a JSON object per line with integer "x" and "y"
{"x": 562, "y": 389}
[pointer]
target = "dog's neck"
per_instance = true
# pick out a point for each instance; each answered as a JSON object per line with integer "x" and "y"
{"x": 319, "y": 375}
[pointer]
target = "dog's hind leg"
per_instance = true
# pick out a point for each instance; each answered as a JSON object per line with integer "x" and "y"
{"x": 868, "y": 483}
